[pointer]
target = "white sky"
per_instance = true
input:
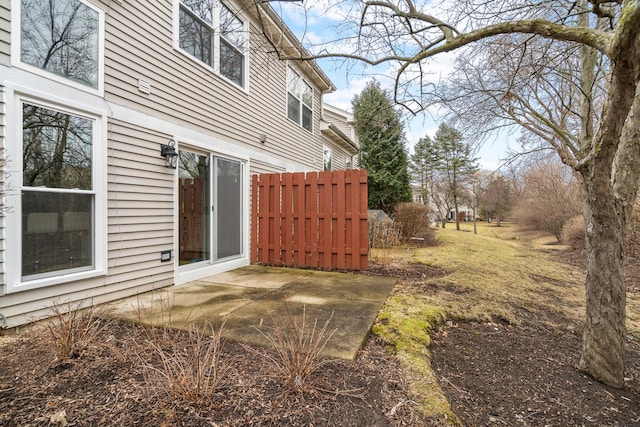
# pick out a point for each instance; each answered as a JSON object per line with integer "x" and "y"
{"x": 316, "y": 25}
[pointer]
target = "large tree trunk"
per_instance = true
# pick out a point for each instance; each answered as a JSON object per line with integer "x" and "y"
{"x": 603, "y": 337}
{"x": 610, "y": 178}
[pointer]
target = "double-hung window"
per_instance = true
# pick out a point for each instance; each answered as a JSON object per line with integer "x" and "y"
{"x": 62, "y": 38}
{"x": 212, "y": 33}
{"x": 57, "y": 207}
{"x": 55, "y": 142}
{"x": 299, "y": 100}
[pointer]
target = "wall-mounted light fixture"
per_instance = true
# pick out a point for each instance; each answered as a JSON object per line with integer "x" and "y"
{"x": 262, "y": 138}
{"x": 170, "y": 154}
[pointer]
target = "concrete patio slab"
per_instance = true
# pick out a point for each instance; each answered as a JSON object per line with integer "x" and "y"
{"x": 252, "y": 300}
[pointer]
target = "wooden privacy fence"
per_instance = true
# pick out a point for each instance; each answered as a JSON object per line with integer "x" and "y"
{"x": 317, "y": 219}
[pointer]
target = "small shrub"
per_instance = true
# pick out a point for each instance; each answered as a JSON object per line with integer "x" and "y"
{"x": 71, "y": 330}
{"x": 573, "y": 233}
{"x": 411, "y": 219}
{"x": 551, "y": 197}
{"x": 428, "y": 236}
{"x": 189, "y": 370}
{"x": 298, "y": 347}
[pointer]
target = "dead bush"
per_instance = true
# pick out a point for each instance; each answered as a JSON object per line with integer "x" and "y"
{"x": 428, "y": 236}
{"x": 551, "y": 197}
{"x": 70, "y": 330}
{"x": 411, "y": 219}
{"x": 573, "y": 233}
{"x": 188, "y": 369}
{"x": 383, "y": 234}
{"x": 298, "y": 346}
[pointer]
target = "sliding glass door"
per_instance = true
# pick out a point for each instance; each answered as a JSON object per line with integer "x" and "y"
{"x": 228, "y": 208}
{"x": 210, "y": 208}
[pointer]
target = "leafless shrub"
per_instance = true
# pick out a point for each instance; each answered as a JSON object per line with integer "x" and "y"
{"x": 573, "y": 233}
{"x": 298, "y": 347}
{"x": 187, "y": 369}
{"x": 551, "y": 197}
{"x": 383, "y": 234}
{"x": 411, "y": 219}
{"x": 71, "y": 330}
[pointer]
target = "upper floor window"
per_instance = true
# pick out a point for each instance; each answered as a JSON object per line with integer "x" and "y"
{"x": 214, "y": 34}
{"x": 326, "y": 158}
{"x": 62, "y": 37}
{"x": 299, "y": 100}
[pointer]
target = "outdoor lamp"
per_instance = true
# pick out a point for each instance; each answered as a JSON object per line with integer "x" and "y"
{"x": 168, "y": 151}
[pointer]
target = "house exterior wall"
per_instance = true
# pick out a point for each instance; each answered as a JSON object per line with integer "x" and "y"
{"x": 5, "y": 32}
{"x": 187, "y": 93}
{"x": 342, "y": 119}
{"x": 344, "y": 153}
{"x": 187, "y": 103}
{"x": 3, "y": 188}
{"x": 339, "y": 158}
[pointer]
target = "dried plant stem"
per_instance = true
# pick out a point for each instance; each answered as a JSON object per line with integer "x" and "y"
{"x": 186, "y": 370}
{"x": 71, "y": 329}
{"x": 298, "y": 350}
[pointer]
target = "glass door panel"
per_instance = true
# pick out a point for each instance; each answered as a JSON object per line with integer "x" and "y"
{"x": 228, "y": 208}
{"x": 194, "y": 189}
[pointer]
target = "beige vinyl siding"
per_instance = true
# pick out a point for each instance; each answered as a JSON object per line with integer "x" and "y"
{"x": 140, "y": 206}
{"x": 339, "y": 156}
{"x": 2, "y": 188}
{"x": 186, "y": 92}
{"x": 140, "y": 225}
{"x": 259, "y": 167}
{"x": 5, "y": 32}
{"x": 339, "y": 121}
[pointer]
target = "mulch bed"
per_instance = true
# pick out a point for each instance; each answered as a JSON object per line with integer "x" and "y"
{"x": 500, "y": 374}
{"x": 508, "y": 375}
{"x": 105, "y": 385}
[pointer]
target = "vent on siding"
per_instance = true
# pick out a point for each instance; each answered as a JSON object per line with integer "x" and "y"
{"x": 144, "y": 86}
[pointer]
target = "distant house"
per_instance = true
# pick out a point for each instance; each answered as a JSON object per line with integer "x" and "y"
{"x": 130, "y": 142}
{"x": 465, "y": 213}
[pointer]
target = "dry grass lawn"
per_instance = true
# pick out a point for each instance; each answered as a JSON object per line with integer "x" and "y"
{"x": 499, "y": 275}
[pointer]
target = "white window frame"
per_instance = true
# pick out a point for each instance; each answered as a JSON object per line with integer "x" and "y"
{"x": 16, "y": 96}
{"x": 299, "y": 98}
{"x": 215, "y": 67}
{"x": 204, "y": 146}
{"x": 16, "y": 36}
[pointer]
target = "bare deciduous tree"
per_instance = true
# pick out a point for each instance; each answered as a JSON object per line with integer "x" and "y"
{"x": 551, "y": 197}
{"x": 596, "y": 36}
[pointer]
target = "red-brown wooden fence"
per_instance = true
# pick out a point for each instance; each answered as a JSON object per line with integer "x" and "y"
{"x": 317, "y": 219}
{"x": 190, "y": 210}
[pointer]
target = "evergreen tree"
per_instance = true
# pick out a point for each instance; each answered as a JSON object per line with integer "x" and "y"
{"x": 456, "y": 161}
{"x": 424, "y": 163}
{"x": 381, "y": 135}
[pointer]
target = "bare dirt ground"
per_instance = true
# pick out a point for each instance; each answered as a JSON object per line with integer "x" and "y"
{"x": 104, "y": 385}
{"x": 493, "y": 374}
{"x": 500, "y": 374}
